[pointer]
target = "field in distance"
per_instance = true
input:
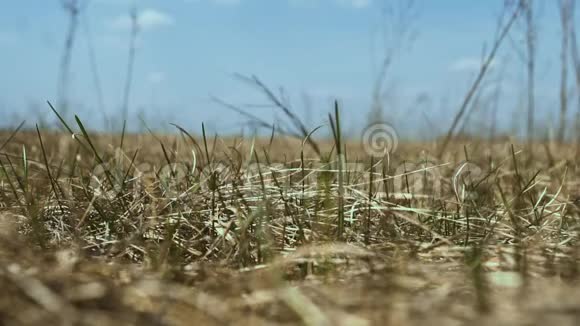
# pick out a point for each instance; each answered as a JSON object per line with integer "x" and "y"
{"x": 177, "y": 229}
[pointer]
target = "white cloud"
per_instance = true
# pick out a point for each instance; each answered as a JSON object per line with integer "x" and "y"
{"x": 7, "y": 38}
{"x": 118, "y": 41}
{"x": 304, "y": 3}
{"x": 227, "y": 2}
{"x": 156, "y": 77}
{"x": 115, "y": 2}
{"x": 147, "y": 19}
{"x": 218, "y": 2}
{"x": 357, "y": 4}
{"x": 470, "y": 64}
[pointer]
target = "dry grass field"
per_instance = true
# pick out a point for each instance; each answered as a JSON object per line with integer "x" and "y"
{"x": 299, "y": 225}
{"x": 179, "y": 230}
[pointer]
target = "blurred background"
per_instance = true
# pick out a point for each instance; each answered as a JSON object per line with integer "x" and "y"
{"x": 428, "y": 68}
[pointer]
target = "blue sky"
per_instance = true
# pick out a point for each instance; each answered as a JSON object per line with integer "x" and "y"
{"x": 322, "y": 49}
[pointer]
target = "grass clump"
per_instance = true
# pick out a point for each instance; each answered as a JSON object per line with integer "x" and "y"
{"x": 282, "y": 230}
